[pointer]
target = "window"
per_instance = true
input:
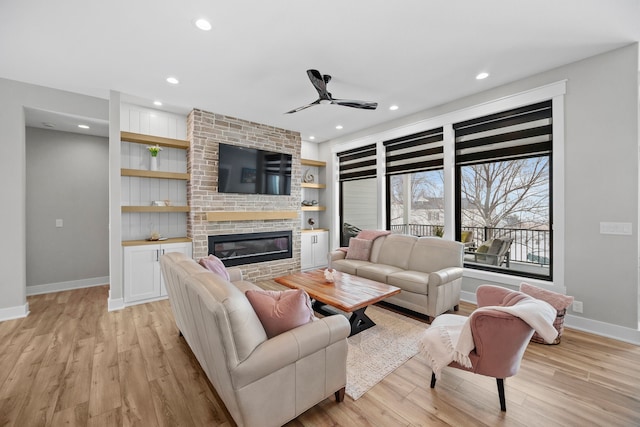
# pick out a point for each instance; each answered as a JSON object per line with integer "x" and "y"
{"x": 415, "y": 183}
{"x": 358, "y": 193}
{"x": 503, "y": 190}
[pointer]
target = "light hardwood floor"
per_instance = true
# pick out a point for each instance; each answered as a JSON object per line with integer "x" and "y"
{"x": 70, "y": 362}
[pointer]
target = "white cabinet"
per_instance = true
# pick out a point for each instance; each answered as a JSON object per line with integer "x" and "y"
{"x": 142, "y": 278}
{"x": 314, "y": 249}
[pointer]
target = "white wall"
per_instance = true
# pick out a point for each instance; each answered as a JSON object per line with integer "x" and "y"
{"x": 601, "y": 181}
{"x": 14, "y": 96}
{"x": 67, "y": 179}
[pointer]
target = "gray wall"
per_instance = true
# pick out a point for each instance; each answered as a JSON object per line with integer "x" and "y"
{"x": 601, "y": 177}
{"x": 14, "y": 96}
{"x": 67, "y": 178}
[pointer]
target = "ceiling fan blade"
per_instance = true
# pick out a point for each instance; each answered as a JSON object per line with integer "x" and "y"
{"x": 364, "y": 105}
{"x": 320, "y": 83}
{"x": 295, "y": 110}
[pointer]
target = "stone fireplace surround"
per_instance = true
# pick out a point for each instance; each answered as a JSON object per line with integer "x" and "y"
{"x": 205, "y": 131}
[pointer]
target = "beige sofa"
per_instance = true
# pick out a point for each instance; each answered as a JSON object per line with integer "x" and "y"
{"x": 262, "y": 382}
{"x": 427, "y": 269}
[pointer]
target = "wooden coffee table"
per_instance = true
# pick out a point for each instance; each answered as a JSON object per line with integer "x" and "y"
{"x": 348, "y": 293}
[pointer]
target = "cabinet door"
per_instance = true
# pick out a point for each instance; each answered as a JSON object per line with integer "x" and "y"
{"x": 306, "y": 250}
{"x": 141, "y": 272}
{"x": 185, "y": 248}
{"x": 321, "y": 249}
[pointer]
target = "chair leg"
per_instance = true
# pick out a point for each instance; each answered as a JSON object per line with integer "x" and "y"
{"x": 339, "y": 395}
{"x": 456, "y": 307}
{"x": 503, "y": 404}
{"x": 433, "y": 380}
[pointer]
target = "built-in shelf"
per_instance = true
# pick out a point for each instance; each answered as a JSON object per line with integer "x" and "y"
{"x": 309, "y": 162}
{"x": 155, "y": 174}
{"x": 153, "y": 140}
{"x": 312, "y": 185}
{"x": 313, "y": 208}
{"x": 155, "y": 209}
{"x": 155, "y": 242}
{"x": 250, "y": 215}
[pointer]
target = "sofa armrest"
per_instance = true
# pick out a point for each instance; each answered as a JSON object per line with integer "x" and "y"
{"x": 235, "y": 274}
{"x": 288, "y": 347}
{"x": 336, "y": 255}
{"x": 445, "y": 275}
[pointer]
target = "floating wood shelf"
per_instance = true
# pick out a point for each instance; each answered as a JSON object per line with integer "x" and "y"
{"x": 250, "y": 215}
{"x": 153, "y": 140}
{"x": 312, "y": 185}
{"x": 155, "y": 174}
{"x": 309, "y": 162}
{"x": 155, "y": 209}
{"x": 314, "y": 208}
{"x": 308, "y": 230}
{"x": 156, "y": 242}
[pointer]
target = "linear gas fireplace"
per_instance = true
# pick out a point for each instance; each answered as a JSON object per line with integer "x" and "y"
{"x": 247, "y": 248}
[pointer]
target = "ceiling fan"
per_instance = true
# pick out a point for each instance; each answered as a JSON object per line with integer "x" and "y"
{"x": 320, "y": 81}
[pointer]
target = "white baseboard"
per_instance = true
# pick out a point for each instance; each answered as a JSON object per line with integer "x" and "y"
{"x": 595, "y": 327}
{"x": 114, "y": 304}
{"x": 16, "y": 312}
{"x": 67, "y": 286}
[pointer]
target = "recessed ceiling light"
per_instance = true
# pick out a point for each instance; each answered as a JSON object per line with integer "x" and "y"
{"x": 393, "y": 108}
{"x": 339, "y": 127}
{"x": 83, "y": 126}
{"x": 312, "y": 137}
{"x": 172, "y": 80}
{"x": 482, "y": 76}
{"x": 203, "y": 24}
{"x": 158, "y": 103}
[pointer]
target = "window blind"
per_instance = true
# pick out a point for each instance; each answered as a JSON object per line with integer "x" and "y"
{"x": 358, "y": 163}
{"x": 513, "y": 134}
{"x": 419, "y": 152}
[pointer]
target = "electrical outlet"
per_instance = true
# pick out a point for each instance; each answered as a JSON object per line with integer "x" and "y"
{"x": 59, "y": 223}
{"x": 577, "y": 306}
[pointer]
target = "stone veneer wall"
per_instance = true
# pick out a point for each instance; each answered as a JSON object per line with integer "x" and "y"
{"x": 205, "y": 131}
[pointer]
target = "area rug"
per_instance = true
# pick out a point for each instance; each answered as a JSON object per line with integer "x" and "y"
{"x": 378, "y": 351}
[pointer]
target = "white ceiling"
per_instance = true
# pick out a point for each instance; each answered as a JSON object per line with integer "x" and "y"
{"x": 252, "y": 64}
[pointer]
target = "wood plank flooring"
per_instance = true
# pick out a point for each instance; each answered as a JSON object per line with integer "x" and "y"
{"x": 70, "y": 362}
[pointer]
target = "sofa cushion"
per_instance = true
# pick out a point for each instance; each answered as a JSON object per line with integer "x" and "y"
{"x": 349, "y": 266}
{"x": 377, "y": 272}
{"x": 431, "y": 254}
{"x": 214, "y": 265}
{"x": 359, "y": 249}
{"x": 410, "y": 281}
{"x": 280, "y": 311}
{"x": 396, "y": 250}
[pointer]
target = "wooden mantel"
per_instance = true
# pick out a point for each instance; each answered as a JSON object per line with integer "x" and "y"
{"x": 250, "y": 215}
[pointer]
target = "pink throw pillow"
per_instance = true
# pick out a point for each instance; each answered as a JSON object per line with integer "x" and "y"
{"x": 558, "y": 301}
{"x": 213, "y": 264}
{"x": 359, "y": 249}
{"x": 280, "y": 311}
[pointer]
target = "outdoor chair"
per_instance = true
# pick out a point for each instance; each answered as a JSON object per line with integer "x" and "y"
{"x": 492, "y": 252}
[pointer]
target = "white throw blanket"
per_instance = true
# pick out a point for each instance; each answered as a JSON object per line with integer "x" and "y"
{"x": 449, "y": 338}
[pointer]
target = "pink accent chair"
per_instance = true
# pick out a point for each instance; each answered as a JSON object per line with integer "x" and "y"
{"x": 500, "y": 339}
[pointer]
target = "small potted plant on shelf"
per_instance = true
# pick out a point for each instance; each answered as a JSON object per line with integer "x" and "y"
{"x": 154, "y": 150}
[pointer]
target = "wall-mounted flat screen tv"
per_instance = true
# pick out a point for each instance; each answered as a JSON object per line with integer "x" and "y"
{"x": 252, "y": 171}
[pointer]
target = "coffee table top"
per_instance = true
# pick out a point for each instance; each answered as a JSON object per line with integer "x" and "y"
{"x": 348, "y": 293}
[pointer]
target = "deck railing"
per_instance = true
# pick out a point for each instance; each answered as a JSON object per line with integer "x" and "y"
{"x": 529, "y": 246}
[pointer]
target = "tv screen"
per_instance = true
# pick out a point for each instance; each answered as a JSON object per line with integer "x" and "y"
{"x": 252, "y": 171}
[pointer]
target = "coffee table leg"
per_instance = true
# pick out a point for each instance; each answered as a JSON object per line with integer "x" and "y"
{"x": 360, "y": 321}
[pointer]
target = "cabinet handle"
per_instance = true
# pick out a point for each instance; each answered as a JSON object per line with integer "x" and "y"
{"x": 157, "y": 255}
